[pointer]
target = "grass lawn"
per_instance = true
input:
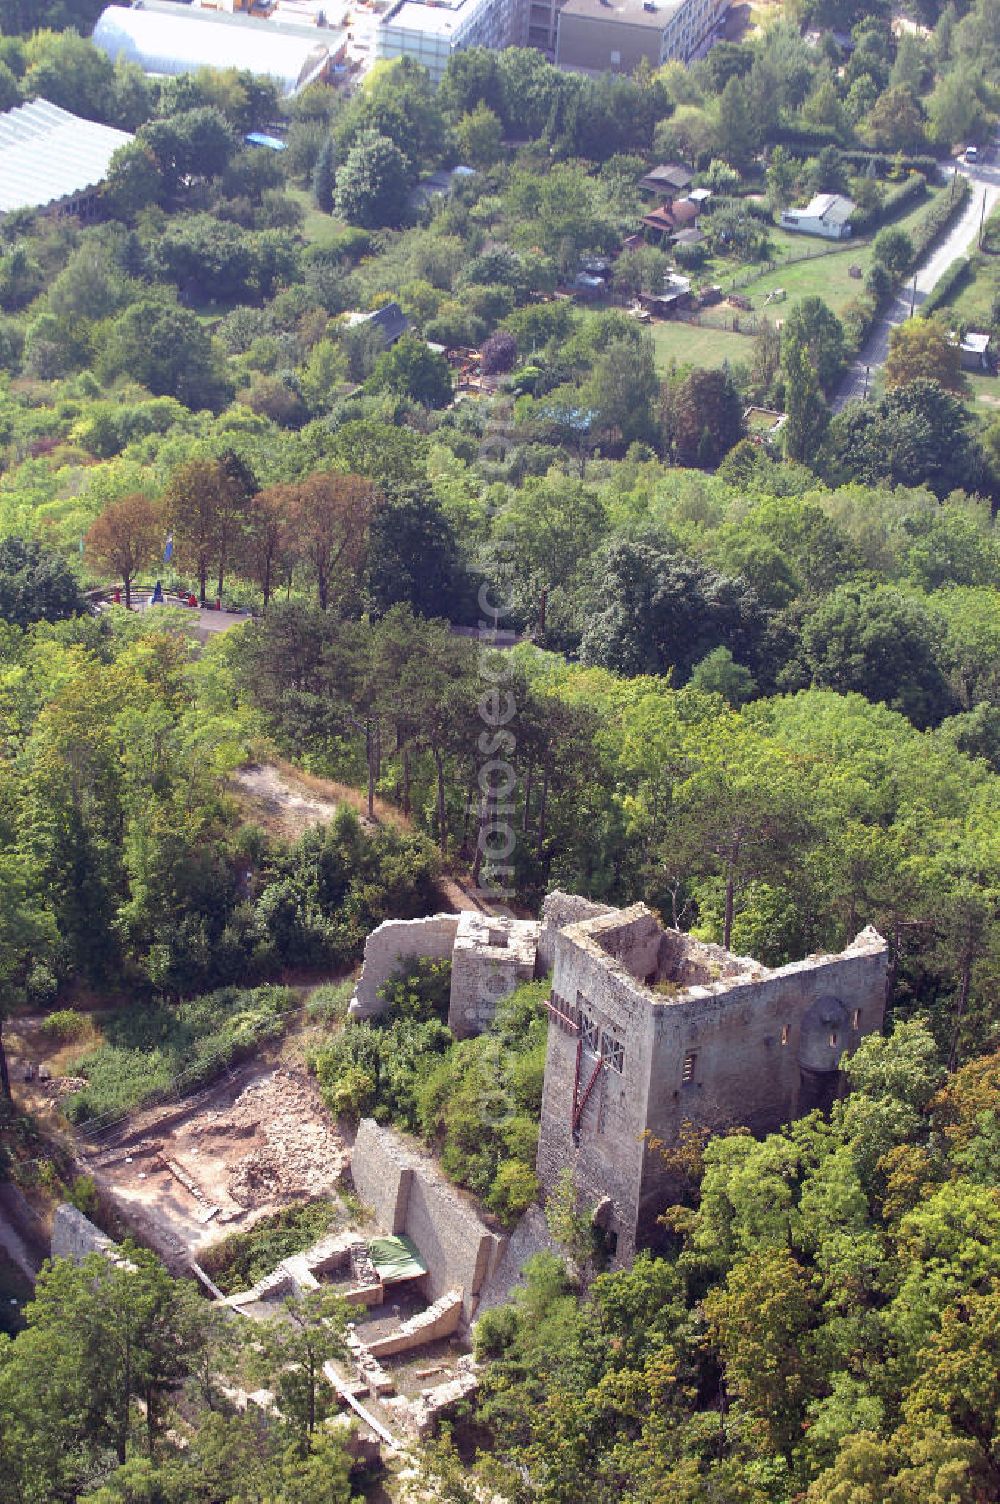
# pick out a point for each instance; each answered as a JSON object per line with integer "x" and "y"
{"x": 973, "y": 304}
{"x": 318, "y": 228}
{"x": 827, "y": 277}
{"x": 690, "y": 345}
{"x": 984, "y": 397}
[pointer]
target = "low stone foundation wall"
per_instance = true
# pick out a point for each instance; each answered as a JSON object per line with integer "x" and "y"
{"x": 303, "y": 1271}
{"x": 439, "y": 1320}
{"x": 422, "y": 1416}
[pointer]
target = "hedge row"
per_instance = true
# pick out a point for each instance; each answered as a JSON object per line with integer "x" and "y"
{"x": 807, "y": 138}
{"x": 954, "y": 278}
{"x": 882, "y": 164}
{"x": 749, "y": 206}
{"x": 938, "y": 219}
{"x": 860, "y": 162}
{"x": 896, "y": 203}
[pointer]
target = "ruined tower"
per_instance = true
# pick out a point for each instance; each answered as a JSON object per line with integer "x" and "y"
{"x": 649, "y": 1028}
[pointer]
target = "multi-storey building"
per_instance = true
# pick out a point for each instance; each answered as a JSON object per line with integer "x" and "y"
{"x": 614, "y": 36}
{"x": 650, "y": 1029}
{"x": 430, "y": 33}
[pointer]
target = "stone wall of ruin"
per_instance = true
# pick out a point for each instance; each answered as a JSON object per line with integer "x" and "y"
{"x": 724, "y": 1053}
{"x": 558, "y": 910}
{"x": 74, "y": 1236}
{"x": 390, "y": 947}
{"x": 492, "y": 956}
{"x": 409, "y": 1195}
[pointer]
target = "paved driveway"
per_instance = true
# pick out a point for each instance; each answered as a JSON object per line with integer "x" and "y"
{"x": 860, "y": 376}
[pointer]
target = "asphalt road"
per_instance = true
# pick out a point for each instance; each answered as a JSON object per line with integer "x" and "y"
{"x": 860, "y": 377}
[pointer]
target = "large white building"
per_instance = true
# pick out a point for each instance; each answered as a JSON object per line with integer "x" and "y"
{"x": 173, "y": 39}
{"x": 431, "y": 33}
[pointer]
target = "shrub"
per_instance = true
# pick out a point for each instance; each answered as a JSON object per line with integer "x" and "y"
{"x": 66, "y": 1024}
{"x": 152, "y": 1050}
{"x": 239, "y": 1261}
{"x": 83, "y": 1195}
{"x": 419, "y": 991}
{"x": 352, "y": 1094}
{"x": 513, "y": 1191}
{"x": 328, "y": 1004}
{"x": 477, "y": 1100}
{"x": 895, "y": 203}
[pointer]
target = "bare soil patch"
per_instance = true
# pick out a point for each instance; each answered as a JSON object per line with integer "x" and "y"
{"x": 280, "y": 802}
{"x": 286, "y": 800}
{"x": 257, "y": 1141}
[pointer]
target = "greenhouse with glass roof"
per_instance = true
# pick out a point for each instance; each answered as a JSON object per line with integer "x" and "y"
{"x": 170, "y": 41}
{"x": 50, "y": 157}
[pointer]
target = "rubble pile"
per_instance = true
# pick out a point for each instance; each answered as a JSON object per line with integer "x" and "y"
{"x": 363, "y": 1271}
{"x": 298, "y": 1153}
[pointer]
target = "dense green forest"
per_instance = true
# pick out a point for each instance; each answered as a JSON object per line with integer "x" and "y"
{"x": 752, "y": 682}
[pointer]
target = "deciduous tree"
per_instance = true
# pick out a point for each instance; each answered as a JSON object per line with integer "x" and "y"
{"x": 125, "y": 538}
{"x": 920, "y": 347}
{"x": 331, "y": 515}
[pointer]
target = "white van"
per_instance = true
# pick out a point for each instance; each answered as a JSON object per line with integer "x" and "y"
{"x": 972, "y": 153}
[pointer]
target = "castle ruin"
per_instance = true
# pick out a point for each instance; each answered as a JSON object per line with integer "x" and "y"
{"x": 649, "y": 1029}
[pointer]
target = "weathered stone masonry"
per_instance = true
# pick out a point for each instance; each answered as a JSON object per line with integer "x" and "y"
{"x": 649, "y": 1028}
{"x": 489, "y": 958}
{"x": 409, "y": 1195}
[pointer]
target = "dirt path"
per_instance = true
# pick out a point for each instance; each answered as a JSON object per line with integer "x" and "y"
{"x": 287, "y": 801}
{"x": 462, "y": 895}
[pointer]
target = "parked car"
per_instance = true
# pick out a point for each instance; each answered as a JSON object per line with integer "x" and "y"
{"x": 972, "y": 154}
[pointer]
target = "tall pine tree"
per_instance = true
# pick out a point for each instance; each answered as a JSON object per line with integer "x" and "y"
{"x": 324, "y": 176}
{"x": 808, "y": 414}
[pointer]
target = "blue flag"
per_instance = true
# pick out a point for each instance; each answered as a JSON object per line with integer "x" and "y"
{"x": 168, "y": 551}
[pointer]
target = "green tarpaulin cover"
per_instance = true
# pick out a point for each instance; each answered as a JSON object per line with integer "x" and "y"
{"x": 395, "y": 1259}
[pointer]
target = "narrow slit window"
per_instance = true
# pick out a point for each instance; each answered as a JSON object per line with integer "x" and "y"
{"x": 833, "y": 1041}
{"x": 856, "y": 1019}
{"x": 784, "y": 1033}
{"x": 690, "y": 1061}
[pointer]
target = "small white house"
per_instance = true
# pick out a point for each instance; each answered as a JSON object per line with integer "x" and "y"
{"x": 828, "y": 215}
